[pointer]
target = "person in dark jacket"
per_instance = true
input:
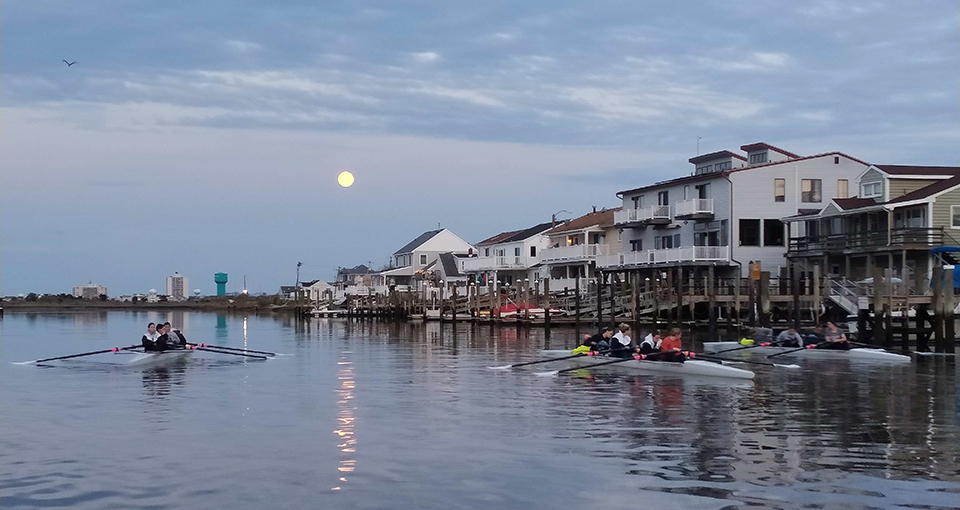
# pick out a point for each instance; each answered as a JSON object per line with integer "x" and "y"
{"x": 149, "y": 340}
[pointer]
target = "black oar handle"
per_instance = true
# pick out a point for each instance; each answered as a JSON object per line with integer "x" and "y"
{"x": 224, "y": 347}
{"x": 104, "y": 351}
{"x": 639, "y": 357}
{"x": 226, "y": 352}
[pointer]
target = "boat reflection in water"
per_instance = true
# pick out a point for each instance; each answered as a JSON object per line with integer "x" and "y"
{"x": 346, "y": 441}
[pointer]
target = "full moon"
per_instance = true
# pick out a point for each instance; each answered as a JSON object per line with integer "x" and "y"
{"x": 345, "y": 179}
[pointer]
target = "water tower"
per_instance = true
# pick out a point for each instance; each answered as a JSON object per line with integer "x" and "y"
{"x": 221, "y": 280}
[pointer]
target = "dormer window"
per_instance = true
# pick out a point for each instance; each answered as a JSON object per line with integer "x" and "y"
{"x": 704, "y": 169}
{"x": 760, "y": 157}
{"x": 872, "y": 189}
{"x": 726, "y": 165}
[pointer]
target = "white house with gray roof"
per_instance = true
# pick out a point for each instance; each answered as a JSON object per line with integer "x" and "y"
{"x": 728, "y": 211}
{"x": 421, "y": 252}
{"x": 509, "y": 256}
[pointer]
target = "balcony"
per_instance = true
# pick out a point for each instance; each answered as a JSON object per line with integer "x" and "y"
{"x": 575, "y": 253}
{"x": 493, "y": 263}
{"x": 689, "y": 254}
{"x": 650, "y": 215}
{"x": 898, "y": 238}
{"x": 694, "y": 209}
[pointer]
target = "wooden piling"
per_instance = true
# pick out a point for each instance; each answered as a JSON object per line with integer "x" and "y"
{"x": 712, "y": 302}
{"x": 879, "y": 306}
{"x": 795, "y": 290}
{"x": 576, "y": 306}
{"x": 546, "y": 308}
{"x": 454, "y": 316}
{"x": 669, "y": 300}
{"x": 601, "y": 277}
{"x": 939, "y": 343}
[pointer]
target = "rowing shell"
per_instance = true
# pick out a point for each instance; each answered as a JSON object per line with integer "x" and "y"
{"x": 857, "y": 353}
{"x": 689, "y": 367}
{"x": 152, "y": 358}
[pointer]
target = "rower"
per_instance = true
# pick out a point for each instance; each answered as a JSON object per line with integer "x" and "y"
{"x": 789, "y": 338}
{"x": 149, "y": 340}
{"x": 598, "y": 342}
{"x": 834, "y": 338}
{"x": 169, "y": 339}
{"x": 650, "y": 344}
{"x": 672, "y": 344}
{"x": 622, "y": 345}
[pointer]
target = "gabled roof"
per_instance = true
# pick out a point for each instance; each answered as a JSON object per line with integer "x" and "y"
{"x": 601, "y": 218}
{"x": 846, "y": 204}
{"x": 497, "y": 238}
{"x": 413, "y": 245}
{"x": 288, "y": 289}
{"x": 307, "y": 284}
{"x": 918, "y": 170}
{"x": 450, "y": 266}
{"x": 760, "y": 146}
{"x": 516, "y": 235}
{"x": 713, "y": 175}
{"x": 361, "y": 269}
{"x": 703, "y": 158}
{"x": 927, "y": 191}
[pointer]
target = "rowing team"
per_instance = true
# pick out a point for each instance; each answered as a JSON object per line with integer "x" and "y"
{"x": 620, "y": 344}
{"x": 828, "y": 337}
{"x": 162, "y": 338}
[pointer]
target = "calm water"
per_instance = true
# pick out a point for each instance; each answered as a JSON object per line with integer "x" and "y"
{"x": 385, "y": 416}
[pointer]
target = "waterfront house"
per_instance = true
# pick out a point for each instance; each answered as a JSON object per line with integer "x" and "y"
{"x": 728, "y": 211}
{"x": 317, "y": 290}
{"x": 509, "y": 256}
{"x": 573, "y": 248}
{"x": 444, "y": 272}
{"x": 901, "y": 215}
{"x": 418, "y": 254}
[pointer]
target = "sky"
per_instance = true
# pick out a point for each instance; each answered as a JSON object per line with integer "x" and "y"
{"x": 201, "y": 137}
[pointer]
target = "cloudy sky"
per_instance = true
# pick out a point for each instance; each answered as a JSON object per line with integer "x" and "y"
{"x": 206, "y": 136}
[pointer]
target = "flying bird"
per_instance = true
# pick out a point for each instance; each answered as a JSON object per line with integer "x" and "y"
{"x": 69, "y": 63}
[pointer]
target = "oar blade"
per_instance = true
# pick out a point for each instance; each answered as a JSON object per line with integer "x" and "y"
{"x": 790, "y": 366}
{"x": 504, "y": 367}
{"x": 31, "y": 362}
{"x": 543, "y": 374}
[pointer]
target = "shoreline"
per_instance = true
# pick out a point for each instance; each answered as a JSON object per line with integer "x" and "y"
{"x": 200, "y": 306}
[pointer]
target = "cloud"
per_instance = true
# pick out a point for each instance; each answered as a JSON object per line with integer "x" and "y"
{"x": 238, "y": 46}
{"x": 425, "y": 57}
{"x": 754, "y": 62}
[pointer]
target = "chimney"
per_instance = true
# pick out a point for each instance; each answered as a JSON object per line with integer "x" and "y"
{"x": 594, "y": 208}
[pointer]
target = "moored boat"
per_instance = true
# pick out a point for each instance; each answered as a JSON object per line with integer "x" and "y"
{"x": 690, "y": 367}
{"x": 857, "y": 353}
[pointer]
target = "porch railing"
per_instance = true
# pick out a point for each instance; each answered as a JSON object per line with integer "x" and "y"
{"x": 924, "y": 236}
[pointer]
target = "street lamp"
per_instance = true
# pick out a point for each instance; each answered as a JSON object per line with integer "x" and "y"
{"x": 553, "y": 217}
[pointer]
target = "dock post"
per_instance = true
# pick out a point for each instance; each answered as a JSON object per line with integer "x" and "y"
{"x": 712, "y": 302}
{"x": 938, "y": 306}
{"x": 679, "y": 296}
{"x": 656, "y": 302}
{"x": 795, "y": 290}
{"x": 546, "y": 308}
{"x": 752, "y": 311}
{"x": 737, "y": 282}
{"x": 669, "y": 285}
{"x": 614, "y": 286}
{"x": 526, "y": 299}
{"x": 817, "y": 298}
{"x": 601, "y": 277}
{"x": 764, "y": 301}
{"x": 879, "y": 335}
{"x": 949, "y": 340}
{"x": 635, "y": 301}
{"x": 576, "y": 306}
{"x": 454, "y": 301}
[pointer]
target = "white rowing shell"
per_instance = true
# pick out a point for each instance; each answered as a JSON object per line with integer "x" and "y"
{"x": 157, "y": 357}
{"x": 692, "y": 367}
{"x": 858, "y": 353}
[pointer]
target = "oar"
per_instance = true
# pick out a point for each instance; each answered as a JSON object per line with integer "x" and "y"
{"x": 194, "y": 347}
{"x": 763, "y": 344}
{"x": 637, "y": 357}
{"x": 224, "y": 347}
{"x": 814, "y": 346}
{"x": 104, "y": 351}
{"x": 713, "y": 358}
{"x": 868, "y": 346}
{"x": 593, "y": 353}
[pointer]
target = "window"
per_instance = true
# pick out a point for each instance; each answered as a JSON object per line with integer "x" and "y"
{"x": 749, "y": 232}
{"x": 486, "y": 252}
{"x": 637, "y": 244}
{"x": 810, "y": 190}
{"x": 760, "y": 157}
{"x": 703, "y": 191}
{"x": 663, "y": 198}
{"x": 772, "y": 233}
{"x": 704, "y": 169}
{"x": 836, "y": 160}
{"x": 726, "y": 165}
{"x": 917, "y": 217}
{"x": 423, "y": 258}
{"x": 779, "y": 190}
{"x": 872, "y": 189}
{"x": 843, "y": 188}
{"x": 955, "y": 216}
{"x": 686, "y": 192}
{"x": 516, "y": 251}
{"x": 533, "y": 251}
{"x": 676, "y": 240}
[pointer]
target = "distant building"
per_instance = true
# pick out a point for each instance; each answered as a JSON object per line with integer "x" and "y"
{"x": 318, "y": 290}
{"x": 510, "y": 256}
{"x": 420, "y": 253}
{"x": 221, "y": 280}
{"x": 177, "y": 287}
{"x": 89, "y": 291}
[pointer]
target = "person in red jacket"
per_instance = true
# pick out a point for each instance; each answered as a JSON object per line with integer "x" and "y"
{"x": 671, "y": 347}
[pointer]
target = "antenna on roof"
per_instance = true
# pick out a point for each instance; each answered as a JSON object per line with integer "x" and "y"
{"x": 698, "y": 144}
{"x": 438, "y": 226}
